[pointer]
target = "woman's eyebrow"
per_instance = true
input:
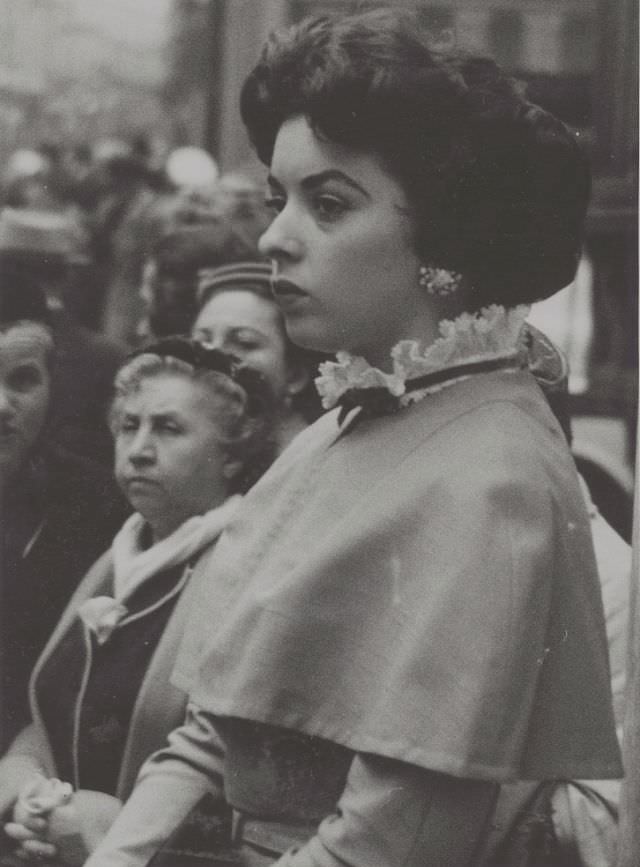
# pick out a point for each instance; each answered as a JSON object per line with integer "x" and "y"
{"x": 248, "y": 329}
{"x": 312, "y": 182}
{"x": 164, "y": 416}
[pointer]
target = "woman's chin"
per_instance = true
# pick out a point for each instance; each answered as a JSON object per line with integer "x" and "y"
{"x": 308, "y": 335}
{"x": 144, "y": 502}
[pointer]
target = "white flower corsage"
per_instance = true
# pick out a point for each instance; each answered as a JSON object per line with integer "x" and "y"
{"x": 40, "y": 795}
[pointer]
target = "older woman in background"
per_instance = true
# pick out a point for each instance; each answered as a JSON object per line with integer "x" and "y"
{"x": 192, "y": 432}
{"x": 59, "y": 511}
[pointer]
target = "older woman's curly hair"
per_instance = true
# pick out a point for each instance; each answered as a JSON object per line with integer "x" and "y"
{"x": 242, "y": 406}
{"x": 497, "y": 186}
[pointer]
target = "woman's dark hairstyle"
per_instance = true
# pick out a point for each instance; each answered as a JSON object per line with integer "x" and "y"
{"x": 498, "y": 187}
{"x": 255, "y": 277}
{"x": 241, "y": 400}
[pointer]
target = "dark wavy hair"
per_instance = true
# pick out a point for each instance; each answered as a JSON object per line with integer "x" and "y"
{"x": 497, "y": 186}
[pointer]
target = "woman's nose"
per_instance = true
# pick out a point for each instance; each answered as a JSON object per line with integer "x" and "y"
{"x": 141, "y": 449}
{"x": 281, "y": 240}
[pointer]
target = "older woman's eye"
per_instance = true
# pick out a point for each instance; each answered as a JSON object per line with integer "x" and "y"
{"x": 170, "y": 427}
{"x": 245, "y": 343}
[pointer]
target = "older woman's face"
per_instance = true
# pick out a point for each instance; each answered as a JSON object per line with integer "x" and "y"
{"x": 24, "y": 392}
{"x": 241, "y": 323}
{"x": 169, "y": 461}
{"x": 342, "y": 243}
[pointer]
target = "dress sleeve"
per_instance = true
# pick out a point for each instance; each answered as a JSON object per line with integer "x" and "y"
{"x": 393, "y": 814}
{"x": 585, "y": 812}
{"x": 170, "y": 784}
{"x": 585, "y": 820}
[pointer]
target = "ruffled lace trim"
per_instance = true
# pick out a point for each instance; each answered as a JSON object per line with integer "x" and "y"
{"x": 493, "y": 333}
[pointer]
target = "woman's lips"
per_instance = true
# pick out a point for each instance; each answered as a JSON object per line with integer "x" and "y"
{"x": 287, "y": 294}
{"x": 141, "y": 481}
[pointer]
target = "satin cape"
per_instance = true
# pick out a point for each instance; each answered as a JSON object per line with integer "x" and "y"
{"x": 421, "y": 587}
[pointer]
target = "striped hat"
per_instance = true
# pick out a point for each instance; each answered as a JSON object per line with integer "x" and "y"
{"x": 239, "y": 274}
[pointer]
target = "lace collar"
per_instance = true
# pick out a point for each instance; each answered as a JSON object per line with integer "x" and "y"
{"x": 495, "y": 334}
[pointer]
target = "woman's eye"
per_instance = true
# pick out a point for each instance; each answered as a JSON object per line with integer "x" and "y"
{"x": 329, "y": 207}
{"x": 170, "y": 427}
{"x": 245, "y": 343}
{"x": 275, "y": 203}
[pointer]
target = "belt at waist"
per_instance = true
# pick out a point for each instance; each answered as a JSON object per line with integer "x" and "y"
{"x": 273, "y": 836}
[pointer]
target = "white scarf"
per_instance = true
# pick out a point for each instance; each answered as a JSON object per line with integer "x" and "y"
{"x": 134, "y": 566}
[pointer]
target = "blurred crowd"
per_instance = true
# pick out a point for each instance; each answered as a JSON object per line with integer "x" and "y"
{"x": 100, "y": 210}
{"x": 116, "y": 241}
{"x": 103, "y": 252}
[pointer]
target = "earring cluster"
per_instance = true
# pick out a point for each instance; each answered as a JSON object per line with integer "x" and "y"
{"x": 439, "y": 282}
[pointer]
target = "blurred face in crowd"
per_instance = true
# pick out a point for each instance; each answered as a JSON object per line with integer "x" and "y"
{"x": 24, "y": 391}
{"x": 241, "y": 323}
{"x": 169, "y": 460}
{"x": 168, "y": 303}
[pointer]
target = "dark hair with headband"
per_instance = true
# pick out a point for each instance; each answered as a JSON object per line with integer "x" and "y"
{"x": 241, "y": 401}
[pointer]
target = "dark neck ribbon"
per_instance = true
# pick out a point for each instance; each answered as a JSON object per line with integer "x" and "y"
{"x": 379, "y": 401}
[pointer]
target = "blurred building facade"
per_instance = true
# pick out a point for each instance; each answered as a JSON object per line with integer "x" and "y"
{"x": 63, "y": 79}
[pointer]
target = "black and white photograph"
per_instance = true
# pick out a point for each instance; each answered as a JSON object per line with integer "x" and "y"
{"x": 319, "y": 510}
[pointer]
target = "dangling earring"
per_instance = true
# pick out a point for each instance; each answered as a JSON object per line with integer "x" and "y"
{"x": 439, "y": 282}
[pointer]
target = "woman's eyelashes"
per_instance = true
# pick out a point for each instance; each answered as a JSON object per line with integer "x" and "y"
{"x": 329, "y": 206}
{"x": 324, "y": 206}
{"x": 160, "y": 425}
{"x": 241, "y": 341}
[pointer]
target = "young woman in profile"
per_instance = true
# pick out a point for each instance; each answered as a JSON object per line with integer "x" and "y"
{"x": 405, "y": 612}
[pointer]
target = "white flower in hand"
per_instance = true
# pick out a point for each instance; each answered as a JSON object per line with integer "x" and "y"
{"x": 37, "y": 799}
{"x": 40, "y": 795}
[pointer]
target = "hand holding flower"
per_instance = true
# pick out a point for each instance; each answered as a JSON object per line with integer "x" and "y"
{"x": 30, "y": 826}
